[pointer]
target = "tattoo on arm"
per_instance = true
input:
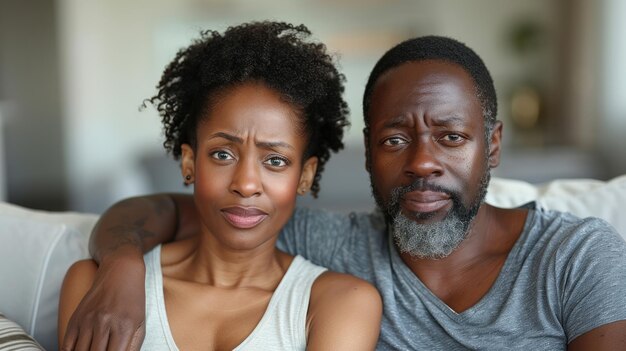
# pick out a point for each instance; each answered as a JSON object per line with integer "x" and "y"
{"x": 162, "y": 206}
{"x": 129, "y": 233}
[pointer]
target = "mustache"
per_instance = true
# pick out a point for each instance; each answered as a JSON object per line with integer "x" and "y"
{"x": 423, "y": 185}
{"x": 420, "y": 184}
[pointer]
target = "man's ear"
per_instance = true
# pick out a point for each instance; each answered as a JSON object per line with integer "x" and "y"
{"x": 308, "y": 175}
{"x": 494, "y": 147}
{"x": 187, "y": 164}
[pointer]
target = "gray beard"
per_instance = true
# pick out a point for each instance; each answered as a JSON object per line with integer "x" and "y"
{"x": 433, "y": 240}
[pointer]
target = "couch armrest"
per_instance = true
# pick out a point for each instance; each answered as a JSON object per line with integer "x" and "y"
{"x": 36, "y": 249}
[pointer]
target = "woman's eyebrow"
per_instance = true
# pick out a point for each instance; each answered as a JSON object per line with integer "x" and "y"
{"x": 229, "y": 137}
{"x": 273, "y": 145}
{"x": 261, "y": 144}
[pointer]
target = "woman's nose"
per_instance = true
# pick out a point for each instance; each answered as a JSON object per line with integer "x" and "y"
{"x": 246, "y": 180}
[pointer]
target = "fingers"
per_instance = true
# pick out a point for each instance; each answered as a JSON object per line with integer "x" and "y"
{"x": 69, "y": 341}
{"x": 110, "y": 315}
{"x": 118, "y": 342}
{"x": 106, "y": 333}
{"x": 100, "y": 339}
{"x": 138, "y": 337}
{"x": 84, "y": 340}
{"x": 104, "y": 337}
{"x": 125, "y": 340}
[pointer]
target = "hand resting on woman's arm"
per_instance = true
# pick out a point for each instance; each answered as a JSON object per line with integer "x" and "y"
{"x": 113, "y": 308}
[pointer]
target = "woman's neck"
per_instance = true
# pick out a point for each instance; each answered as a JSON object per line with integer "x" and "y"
{"x": 203, "y": 259}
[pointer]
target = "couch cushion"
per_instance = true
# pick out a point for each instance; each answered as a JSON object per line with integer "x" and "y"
{"x": 36, "y": 249}
{"x": 582, "y": 197}
{"x": 13, "y": 337}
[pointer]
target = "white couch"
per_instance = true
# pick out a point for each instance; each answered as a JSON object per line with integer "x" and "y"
{"x": 37, "y": 247}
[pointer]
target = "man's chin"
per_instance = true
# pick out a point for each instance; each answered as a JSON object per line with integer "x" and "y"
{"x": 425, "y": 217}
{"x": 430, "y": 239}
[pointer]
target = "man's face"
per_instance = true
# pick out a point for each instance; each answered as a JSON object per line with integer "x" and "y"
{"x": 428, "y": 156}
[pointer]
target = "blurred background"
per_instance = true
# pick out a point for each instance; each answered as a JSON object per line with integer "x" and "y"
{"x": 73, "y": 74}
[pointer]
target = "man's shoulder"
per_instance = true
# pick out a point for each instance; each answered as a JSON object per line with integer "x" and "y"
{"x": 331, "y": 239}
{"x": 584, "y": 260}
{"x": 563, "y": 233}
{"x": 572, "y": 225}
{"x": 364, "y": 221}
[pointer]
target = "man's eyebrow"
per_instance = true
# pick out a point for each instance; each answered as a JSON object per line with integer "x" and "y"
{"x": 394, "y": 122}
{"x": 449, "y": 119}
{"x": 261, "y": 144}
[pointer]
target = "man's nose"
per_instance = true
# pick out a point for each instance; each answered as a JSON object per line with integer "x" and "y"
{"x": 423, "y": 160}
{"x": 246, "y": 180}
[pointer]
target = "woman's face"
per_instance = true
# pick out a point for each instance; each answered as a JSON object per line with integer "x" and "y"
{"x": 248, "y": 167}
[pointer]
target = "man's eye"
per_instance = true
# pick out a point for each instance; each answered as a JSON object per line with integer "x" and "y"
{"x": 276, "y": 161}
{"x": 222, "y": 155}
{"x": 394, "y": 141}
{"x": 454, "y": 138}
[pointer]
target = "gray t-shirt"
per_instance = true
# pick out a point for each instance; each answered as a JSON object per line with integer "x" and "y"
{"x": 563, "y": 277}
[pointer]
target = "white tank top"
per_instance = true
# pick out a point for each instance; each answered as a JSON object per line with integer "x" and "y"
{"x": 282, "y": 327}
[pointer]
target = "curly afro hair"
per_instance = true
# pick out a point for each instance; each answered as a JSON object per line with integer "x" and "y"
{"x": 438, "y": 48}
{"x": 273, "y": 53}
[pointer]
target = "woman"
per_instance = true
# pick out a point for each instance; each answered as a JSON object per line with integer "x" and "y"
{"x": 252, "y": 115}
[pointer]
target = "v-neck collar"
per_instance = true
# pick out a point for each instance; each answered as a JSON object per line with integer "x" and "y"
{"x": 500, "y": 284}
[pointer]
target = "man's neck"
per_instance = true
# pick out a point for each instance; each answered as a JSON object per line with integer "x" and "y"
{"x": 467, "y": 274}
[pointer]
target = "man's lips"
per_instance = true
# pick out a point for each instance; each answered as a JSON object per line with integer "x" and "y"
{"x": 425, "y": 201}
{"x": 243, "y": 217}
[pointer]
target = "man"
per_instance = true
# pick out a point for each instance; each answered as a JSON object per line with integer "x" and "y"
{"x": 454, "y": 272}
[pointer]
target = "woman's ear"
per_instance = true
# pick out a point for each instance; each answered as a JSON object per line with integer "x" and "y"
{"x": 187, "y": 164}
{"x": 308, "y": 175}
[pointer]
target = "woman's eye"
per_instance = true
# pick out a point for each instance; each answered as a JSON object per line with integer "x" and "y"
{"x": 222, "y": 155}
{"x": 394, "y": 141}
{"x": 276, "y": 162}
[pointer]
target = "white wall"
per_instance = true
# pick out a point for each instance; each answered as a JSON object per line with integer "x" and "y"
{"x": 3, "y": 177}
{"x": 108, "y": 69}
{"x": 30, "y": 93}
{"x": 613, "y": 89}
{"x": 113, "y": 52}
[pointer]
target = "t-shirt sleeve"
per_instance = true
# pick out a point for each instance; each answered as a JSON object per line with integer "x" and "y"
{"x": 317, "y": 235}
{"x": 593, "y": 284}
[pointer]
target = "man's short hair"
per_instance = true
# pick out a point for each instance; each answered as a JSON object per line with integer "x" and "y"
{"x": 437, "y": 48}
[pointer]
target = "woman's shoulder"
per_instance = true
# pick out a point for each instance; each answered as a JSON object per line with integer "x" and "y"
{"x": 78, "y": 280}
{"x": 334, "y": 291}
{"x": 344, "y": 313}
{"x": 333, "y": 286}
{"x": 81, "y": 272}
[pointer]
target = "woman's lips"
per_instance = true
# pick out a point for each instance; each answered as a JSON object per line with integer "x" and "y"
{"x": 243, "y": 217}
{"x": 424, "y": 201}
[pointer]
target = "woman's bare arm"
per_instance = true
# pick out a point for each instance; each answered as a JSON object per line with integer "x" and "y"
{"x": 115, "y": 303}
{"x": 344, "y": 314}
{"x": 78, "y": 281}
